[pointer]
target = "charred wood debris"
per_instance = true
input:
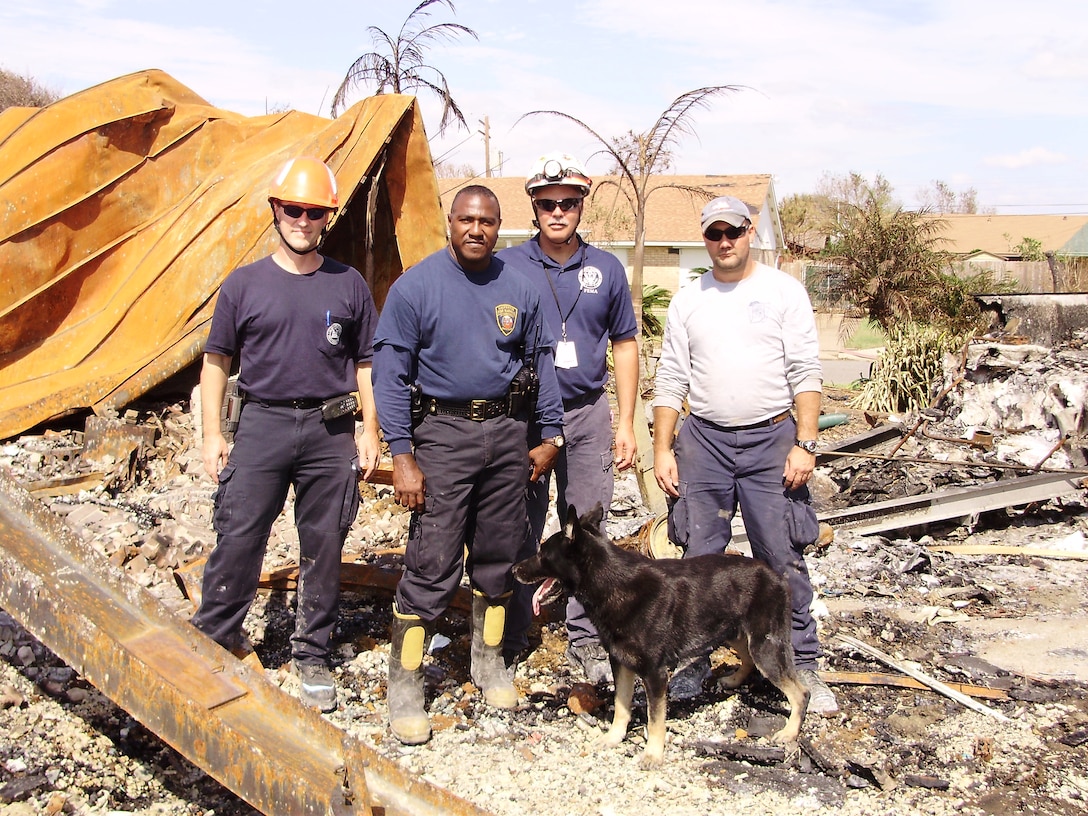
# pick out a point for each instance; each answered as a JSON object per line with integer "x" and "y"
{"x": 133, "y": 487}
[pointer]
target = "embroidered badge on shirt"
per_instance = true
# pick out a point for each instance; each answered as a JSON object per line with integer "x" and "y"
{"x": 756, "y": 312}
{"x": 507, "y": 317}
{"x": 590, "y": 279}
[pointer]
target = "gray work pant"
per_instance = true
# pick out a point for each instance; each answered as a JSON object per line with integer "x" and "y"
{"x": 720, "y": 470}
{"x": 583, "y": 478}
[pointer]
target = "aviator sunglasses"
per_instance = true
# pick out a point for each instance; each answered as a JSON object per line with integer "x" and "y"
{"x": 549, "y": 204}
{"x": 312, "y": 213}
{"x": 732, "y": 233}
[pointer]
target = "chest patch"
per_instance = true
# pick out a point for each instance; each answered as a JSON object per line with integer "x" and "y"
{"x": 507, "y": 318}
{"x": 589, "y": 279}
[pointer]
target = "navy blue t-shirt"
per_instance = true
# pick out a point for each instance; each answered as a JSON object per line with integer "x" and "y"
{"x": 591, "y": 295}
{"x": 461, "y": 336}
{"x": 298, "y": 336}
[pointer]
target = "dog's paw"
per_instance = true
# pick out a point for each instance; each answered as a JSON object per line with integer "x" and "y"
{"x": 787, "y": 737}
{"x": 650, "y": 759}
{"x": 607, "y": 740}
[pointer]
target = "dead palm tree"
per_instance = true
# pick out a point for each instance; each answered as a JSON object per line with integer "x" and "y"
{"x": 398, "y": 66}
{"x": 639, "y": 156}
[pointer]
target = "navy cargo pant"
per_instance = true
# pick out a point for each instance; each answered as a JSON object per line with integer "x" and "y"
{"x": 720, "y": 469}
{"x": 583, "y": 477}
{"x": 274, "y": 449}
{"x": 474, "y": 495}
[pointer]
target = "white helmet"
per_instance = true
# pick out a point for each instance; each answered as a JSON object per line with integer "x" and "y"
{"x": 558, "y": 168}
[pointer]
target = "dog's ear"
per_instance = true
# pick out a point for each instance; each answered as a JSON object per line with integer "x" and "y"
{"x": 572, "y": 522}
{"x": 592, "y": 520}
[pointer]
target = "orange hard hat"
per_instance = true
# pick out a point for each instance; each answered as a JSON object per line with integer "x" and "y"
{"x": 306, "y": 180}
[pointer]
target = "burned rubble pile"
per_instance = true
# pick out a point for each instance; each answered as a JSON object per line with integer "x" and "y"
{"x": 1002, "y": 410}
{"x": 989, "y": 606}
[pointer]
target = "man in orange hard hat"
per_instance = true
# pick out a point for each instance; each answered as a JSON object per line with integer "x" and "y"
{"x": 301, "y": 326}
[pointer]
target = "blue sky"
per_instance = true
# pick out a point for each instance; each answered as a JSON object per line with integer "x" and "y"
{"x": 983, "y": 94}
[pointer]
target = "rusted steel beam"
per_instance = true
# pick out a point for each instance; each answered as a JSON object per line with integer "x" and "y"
{"x": 222, "y": 715}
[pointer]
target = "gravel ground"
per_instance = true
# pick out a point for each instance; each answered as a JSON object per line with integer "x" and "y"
{"x": 68, "y": 749}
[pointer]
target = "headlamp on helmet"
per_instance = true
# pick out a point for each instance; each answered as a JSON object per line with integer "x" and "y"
{"x": 558, "y": 168}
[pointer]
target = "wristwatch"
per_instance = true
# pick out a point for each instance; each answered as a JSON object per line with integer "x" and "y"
{"x": 557, "y": 441}
{"x": 806, "y": 444}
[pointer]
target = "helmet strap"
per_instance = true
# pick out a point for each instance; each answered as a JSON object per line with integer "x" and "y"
{"x": 286, "y": 243}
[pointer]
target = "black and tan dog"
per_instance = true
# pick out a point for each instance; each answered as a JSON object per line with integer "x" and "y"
{"x": 652, "y": 614}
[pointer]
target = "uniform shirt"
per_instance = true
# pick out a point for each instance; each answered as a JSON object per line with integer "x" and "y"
{"x": 461, "y": 336}
{"x": 738, "y": 352}
{"x": 591, "y": 296}
{"x": 298, "y": 336}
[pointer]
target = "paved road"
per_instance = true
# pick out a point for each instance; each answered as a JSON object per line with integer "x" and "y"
{"x": 844, "y": 371}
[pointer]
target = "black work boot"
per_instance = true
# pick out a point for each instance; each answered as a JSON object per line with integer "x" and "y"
{"x": 404, "y": 689}
{"x": 489, "y": 670}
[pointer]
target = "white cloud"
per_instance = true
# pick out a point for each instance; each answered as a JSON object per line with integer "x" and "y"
{"x": 1030, "y": 157}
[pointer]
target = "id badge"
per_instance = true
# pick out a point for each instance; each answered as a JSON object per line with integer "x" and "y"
{"x": 566, "y": 355}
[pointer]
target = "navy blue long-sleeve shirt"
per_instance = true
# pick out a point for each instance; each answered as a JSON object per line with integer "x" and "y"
{"x": 461, "y": 336}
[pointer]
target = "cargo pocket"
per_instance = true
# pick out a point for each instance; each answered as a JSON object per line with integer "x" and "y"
{"x": 679, "y": 527}
{"x": 350, "y": 508}
{"x": 608, "y": 464}
{"x": 803, "y": 526}
{"x": 221, "y": 511}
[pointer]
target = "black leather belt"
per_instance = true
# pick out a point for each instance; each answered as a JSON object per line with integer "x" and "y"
{"x": 766, "y": 423}
{"x": 476, "y": 410}
{"x": 582, "y": 399}
{"x": 303, "y": 402}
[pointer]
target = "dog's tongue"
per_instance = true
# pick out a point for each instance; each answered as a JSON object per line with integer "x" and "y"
{"x": 541, "y": 591}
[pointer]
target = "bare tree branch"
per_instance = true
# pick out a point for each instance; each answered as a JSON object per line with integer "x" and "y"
{"x": 398, "y": 64}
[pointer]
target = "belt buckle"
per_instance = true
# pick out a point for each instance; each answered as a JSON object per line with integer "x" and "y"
{"x": 477, "y": 410}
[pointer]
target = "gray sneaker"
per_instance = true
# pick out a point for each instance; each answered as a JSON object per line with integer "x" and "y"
{"x": 821, "y": 699}
{"x": 316, "y": 686}
{"x": 591, "y": 657}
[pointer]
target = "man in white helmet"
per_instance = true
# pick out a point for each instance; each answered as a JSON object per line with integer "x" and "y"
{"x": 586, "y": 301}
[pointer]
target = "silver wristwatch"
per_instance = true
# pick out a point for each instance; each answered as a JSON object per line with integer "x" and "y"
{"x": 806, "y": 444}
{"x": 557, "y": 441}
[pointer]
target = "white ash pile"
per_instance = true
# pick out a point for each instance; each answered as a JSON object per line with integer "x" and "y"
{"x": 1030, "y": 398}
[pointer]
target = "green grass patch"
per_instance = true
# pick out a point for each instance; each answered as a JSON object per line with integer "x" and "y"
{"x": 868, "y": 335}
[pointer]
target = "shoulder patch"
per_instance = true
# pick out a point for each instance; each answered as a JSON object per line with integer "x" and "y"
{"x": 507, "y": 318}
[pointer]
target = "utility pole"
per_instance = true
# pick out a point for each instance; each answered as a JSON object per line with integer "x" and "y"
{"x": 486, "y": 122}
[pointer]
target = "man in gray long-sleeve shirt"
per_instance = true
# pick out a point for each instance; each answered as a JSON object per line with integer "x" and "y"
{"x": 740, "y": 345}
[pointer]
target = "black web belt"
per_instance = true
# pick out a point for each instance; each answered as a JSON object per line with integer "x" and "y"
{"x": 476, "y": 410}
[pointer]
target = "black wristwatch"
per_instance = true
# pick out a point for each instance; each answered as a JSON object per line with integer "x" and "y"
{"x": 557, "y": 441}
{"x": 806, "y": 444}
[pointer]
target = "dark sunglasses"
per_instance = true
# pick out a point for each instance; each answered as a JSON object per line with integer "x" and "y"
{"x": 312, "y": 213}
{"x": 549, "y": 204}
{"x": 732, "y": 233}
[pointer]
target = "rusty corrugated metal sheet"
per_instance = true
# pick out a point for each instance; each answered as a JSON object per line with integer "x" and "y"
{"x": 123, "y": 208}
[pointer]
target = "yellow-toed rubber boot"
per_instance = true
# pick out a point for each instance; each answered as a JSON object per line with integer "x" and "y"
{"x": 407, "y": 716}
{"x": 489, "y": 671}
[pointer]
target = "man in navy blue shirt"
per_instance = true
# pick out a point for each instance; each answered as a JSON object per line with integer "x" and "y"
{"x": 586, "y": 301}
{"x": 458, "y": 338}
{"x": 301, "y": 325}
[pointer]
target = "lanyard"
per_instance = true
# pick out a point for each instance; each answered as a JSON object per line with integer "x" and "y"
{"x": 555, "y": 294}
